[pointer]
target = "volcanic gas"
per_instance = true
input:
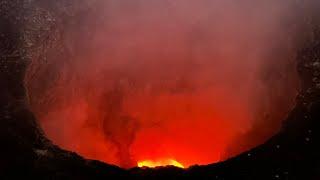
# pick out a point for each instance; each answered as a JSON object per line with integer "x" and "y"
{"x": 149, "y": 83}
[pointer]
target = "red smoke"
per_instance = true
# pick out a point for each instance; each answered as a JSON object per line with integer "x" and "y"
{"x": 192, "y": 81}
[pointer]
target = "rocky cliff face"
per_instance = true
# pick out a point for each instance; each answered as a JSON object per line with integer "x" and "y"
{"x": 27, "y": 26}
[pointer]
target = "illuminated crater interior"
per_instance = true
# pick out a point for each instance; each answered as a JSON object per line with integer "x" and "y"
{"x": 165, "y": 83}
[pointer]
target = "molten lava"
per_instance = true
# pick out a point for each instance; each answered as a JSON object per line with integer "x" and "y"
{"x": 164, "y": 162}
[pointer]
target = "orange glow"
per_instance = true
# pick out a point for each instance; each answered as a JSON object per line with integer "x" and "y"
{"x": 165, "y": 162}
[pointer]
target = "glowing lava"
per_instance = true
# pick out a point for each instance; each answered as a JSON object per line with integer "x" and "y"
{"x": 166, "y": 162}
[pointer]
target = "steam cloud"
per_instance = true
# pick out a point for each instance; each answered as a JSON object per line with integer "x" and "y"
{"x": 198, "y": 81}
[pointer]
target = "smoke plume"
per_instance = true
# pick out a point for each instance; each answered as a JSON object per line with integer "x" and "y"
{"x": 195, "y": 81}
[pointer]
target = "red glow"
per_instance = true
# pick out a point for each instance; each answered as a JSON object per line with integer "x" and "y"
{"x": 192, "y": 128}
{"x": 191, "y": 81}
